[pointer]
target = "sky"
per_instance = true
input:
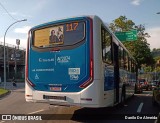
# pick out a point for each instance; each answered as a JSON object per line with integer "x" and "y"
{"x": 41, "y": 11}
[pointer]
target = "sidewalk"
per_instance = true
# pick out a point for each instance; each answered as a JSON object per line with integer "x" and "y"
{"x": 10, "y": 86}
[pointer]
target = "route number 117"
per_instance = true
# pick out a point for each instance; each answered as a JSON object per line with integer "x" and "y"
{"x": 71, "y": 26}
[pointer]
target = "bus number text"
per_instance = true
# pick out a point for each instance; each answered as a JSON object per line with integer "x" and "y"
{"x": 71, "y": 26}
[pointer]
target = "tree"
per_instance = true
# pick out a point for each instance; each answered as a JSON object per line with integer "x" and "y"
{"x": 122, "y": 24}
{"x": 140, "y": 48}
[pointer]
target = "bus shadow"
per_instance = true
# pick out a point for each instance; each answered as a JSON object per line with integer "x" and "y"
{"x": 102, "y": 114}
{"x": 90, "y": 114}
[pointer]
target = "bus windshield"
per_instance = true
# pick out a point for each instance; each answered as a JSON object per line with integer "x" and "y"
{"x": 59, "y": 35}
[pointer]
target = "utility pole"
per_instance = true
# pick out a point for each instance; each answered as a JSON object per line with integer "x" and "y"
{"x": 4, "y": 60}
{"x": 16, "y": 54}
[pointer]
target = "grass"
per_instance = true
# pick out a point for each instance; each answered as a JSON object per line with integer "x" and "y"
{"x": 3, "y": 91}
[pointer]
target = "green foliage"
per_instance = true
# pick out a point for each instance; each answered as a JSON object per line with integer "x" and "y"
{"x": 140, "y": 48}
{"x": 157, "y": 58}
{"x": 3, "y": 91}
{"x": 148, "y": 69}
{"x": 154, "y": 49}
{"x": 122, "y": 24}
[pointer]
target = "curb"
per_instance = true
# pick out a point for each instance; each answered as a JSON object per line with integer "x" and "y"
{"x": 5, "y": 94}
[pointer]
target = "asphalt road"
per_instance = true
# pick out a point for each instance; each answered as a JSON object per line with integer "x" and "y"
{"x": 138, "y": 106}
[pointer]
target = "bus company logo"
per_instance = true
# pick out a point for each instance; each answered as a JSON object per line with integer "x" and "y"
{"x": 46, "y": 60}
{"x": 6, "y": 117}
{"x": 63, "y": 59}
{"x": 74, "y": 71}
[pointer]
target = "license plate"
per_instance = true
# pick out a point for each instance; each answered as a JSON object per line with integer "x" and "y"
{"x": 55, "y": 88}
{"x": 54, "y": 97}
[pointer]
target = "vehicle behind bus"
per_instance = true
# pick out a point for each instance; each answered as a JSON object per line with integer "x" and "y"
{"x": 145, "y": 85}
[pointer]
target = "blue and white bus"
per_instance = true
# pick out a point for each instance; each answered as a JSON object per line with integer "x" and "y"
{"x": 77, "y": 61}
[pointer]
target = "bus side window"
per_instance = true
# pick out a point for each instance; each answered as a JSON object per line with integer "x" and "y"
{"x": 125, "y": 60}
{"x": 132, "y": 66}
{"x": 120, "y": 57}
{"x": 129, "y": 61}
{"x": 106, "y": 46}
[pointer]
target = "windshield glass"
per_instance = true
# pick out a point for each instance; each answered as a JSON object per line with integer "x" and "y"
{"x": 61, "y": 35}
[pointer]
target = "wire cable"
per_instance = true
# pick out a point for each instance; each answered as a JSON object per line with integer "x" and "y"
{"x": 7, "y": 11}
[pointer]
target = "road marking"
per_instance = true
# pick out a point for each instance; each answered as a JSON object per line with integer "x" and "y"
{"x": 36, "y": 111}
{"x": 140, "y": 108}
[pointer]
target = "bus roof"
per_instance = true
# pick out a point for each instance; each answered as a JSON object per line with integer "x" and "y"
{"x": 63, "y": 20}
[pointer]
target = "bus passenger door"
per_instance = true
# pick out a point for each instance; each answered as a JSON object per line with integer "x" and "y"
{"x": 116, "y": 73}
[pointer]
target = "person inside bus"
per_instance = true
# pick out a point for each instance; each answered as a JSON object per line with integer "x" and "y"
{"x": 53, "y": 38}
